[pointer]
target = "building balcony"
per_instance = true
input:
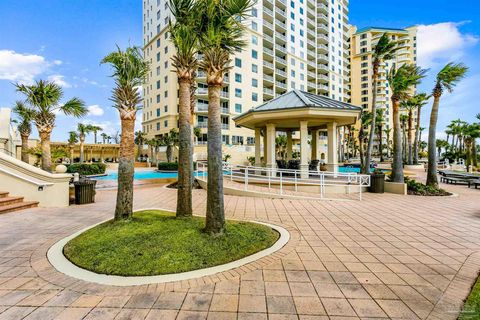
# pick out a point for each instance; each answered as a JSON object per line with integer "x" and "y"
{"x": 280, "y": 61}
{"x": 281, "y": 85}
{"x": 322, "y": 87}
{"x": 322, "y": 38}
{"x": 280, "y": 73}
{"x": 268, "y": 65}
{"x": 268, "y": 25}
{"x": 322, "y": 29}
{"x": 322, "y": 17}
{"x": 281, "y": 37}
{"x": 268, "y": 78}
{"x": 268, "y": 92}
{"x": 322, "y": 57}
{"x": 267, "y": 12}
{"x": 321, "y": 48}
{"x": 322, "y": 8}
{"x": 280, "y": 12}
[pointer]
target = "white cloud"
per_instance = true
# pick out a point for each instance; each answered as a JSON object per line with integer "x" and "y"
{"x": 21, "y": 67}
{"x": 107, "y": 126}
{"x": 442, "y": 42}
{"x": 60, "y": 80}
{"x": 95, "y": 110}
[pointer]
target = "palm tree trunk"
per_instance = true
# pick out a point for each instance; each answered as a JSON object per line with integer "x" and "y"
{"x": 124, "y": 206}
{"x": 71, "y": 154}
{"x": 82, "y": 151}
{"x": 215, "y": 220}
{"x": 432, "y": 179}
{"x": 474, "y": 153}
{"x": 95, "y": 137}
{"x": 380, "y": 142}
{"x": 417, "y": 137}
{"x": 169, "y": 153}
{"x": 46, "y": 155}
{"x": 185, "y": 157}
{"x": 397, "y": 164}
{"x": 410, "y": 137}
{"x": 25, "y": 156}
{"x": 360, "y": 150}
{"x": 371, "y": 136}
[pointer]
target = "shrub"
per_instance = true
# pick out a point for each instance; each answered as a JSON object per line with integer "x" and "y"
{"x": 86, "y": 169}
{"x": 168, "y": 166}
{"x": 420, "y": 189}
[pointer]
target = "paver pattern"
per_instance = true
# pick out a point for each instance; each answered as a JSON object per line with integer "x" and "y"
{"x": 387, "y": 257}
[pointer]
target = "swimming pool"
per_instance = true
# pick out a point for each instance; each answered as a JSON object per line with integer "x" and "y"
{"x": 347, "y": 169}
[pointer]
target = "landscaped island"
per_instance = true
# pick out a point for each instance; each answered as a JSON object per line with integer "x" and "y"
{"x": 156, "y": 243}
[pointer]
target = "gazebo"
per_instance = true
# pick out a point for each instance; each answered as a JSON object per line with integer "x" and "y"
{"x": 303, "y": 112}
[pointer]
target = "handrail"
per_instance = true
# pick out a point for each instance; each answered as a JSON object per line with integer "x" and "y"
{"x": 26, "y": 179}
{"x": 283, "y": 177}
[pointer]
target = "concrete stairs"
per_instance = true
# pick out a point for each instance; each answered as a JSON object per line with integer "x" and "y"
{"x": 10, "y": 203}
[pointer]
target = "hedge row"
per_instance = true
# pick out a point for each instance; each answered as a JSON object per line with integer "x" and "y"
{"x": 86, "y": 169}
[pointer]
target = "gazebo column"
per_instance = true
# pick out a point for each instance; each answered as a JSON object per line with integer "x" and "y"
{"x": 289, "y": 145}
{"x": 101, "y": 155}
{"x": 258, "y": 144}
{"x": 314, "y": 145}
{"x": 270, "y": 146}
{"x": 264, "y": 162}
{"x": 332, "y": 147}
{"x": 304, "y": 149}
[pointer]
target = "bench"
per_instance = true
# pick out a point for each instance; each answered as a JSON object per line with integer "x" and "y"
{"x": 455, "y": 180}
{"x": 476, "y": 183}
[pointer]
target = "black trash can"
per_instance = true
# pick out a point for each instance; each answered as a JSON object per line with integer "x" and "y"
{"x": 85, "y": 191}
{"x": 377, "y": 183}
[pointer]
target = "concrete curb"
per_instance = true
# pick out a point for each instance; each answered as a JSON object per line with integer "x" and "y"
{"x": 62, "y": 264}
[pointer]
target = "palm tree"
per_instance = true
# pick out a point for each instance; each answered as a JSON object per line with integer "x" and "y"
{"x": 365, "y": 119}
{"x": 169, "y": 140}
{"x": 153, "y": 145}
{"x": 402, "y": 81}
{"x": 72, "y": 139}
{"x": 221, "y": 33}
{"x": 104, "y": 137}
{"x": 420, "y": 99}
{"x": 447, "y": 79}
{"x": 83, "y": 130}
{"x": 95, "y": 130}
{"x": 472, "y": 133}
{"x": 44, "y": 97}
{"x": 140, "y": 139}
{"x": 379, "y": 130}
{"x": 440, "y": 145}
{"x": 384, "y": 50}
{"x": 388, "y": 131}
{"x": 25, "y": 116}
{"x": 185, "y": 39}
{"x": 403, "y": 125}
{"x": 129, "y": 72}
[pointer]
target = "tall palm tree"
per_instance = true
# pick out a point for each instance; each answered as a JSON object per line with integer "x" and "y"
{"x": 140, "y": 139}
{"x": 384, "y": 50}
{"x": 45, "y": 97}
{"x": 403, "y": 125}
{"x": 185, "y": 39}
{"x": 169, "y": 140}
{"x": 420, "y": 99}
{"x": 379, "y": 130}
{"x": 25, "y": 116}
{"x": 83, "y": 130}
{"x": 72, "y": 140}
{"x": 95, "y": 130}
{"x": 402, "y": 81}
{"x": 447, "y": 79}
{"x": 129, "y": 72}
{"x": 222, "y": 33}
{"x": 409, "y": 106}
{"x": 440, "y": 145}
{"x": 472, "y": 132}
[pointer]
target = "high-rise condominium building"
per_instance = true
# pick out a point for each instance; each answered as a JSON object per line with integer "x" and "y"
{"x": 363, "y": 42}
{"x": 297, "y": 44}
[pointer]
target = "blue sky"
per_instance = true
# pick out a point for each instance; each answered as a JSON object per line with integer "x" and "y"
{"x": 65, "y": 40}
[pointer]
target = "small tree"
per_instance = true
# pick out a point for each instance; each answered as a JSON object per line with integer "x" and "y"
{"x": 25, "y": 116}
{"x": 72, "y": 140}
{"x": 83, "y": 130}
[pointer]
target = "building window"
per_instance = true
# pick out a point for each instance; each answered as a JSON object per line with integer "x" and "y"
{"x": 237, "y": 140}
{"x": 254, "y": 54}
{"x": 158, "y": 112}
{"x": 165, "y": 123}
{"x": 250, "y": 140}
{"x": 158, "y": 84}
{"x": 238, "y": 93}
{"x": 158, "y": 126}
{"x": 238, "y": 77}
{"x": 238, "y": 62}
{"x": 238, "y": 108}
{"x": 165, "y": 109}
{"x": 255, "y": 96}
{"x": 254, "y": 68}
{"x": 255, "y": 83}
{"x": 158, "y": 98}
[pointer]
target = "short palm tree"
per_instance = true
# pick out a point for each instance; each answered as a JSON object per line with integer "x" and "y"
{"x": 388, "y": 131}
{"x": 384, "y": 50}
{"x": 441, "y": 144}
{"x": 95, "y": 130}
{"x": 402, "y": 81}
{"x": 140, "y": 139}
{"x": 185, "y": 39}
{"x": 403, "y": 125}
{"x": 83, "y": 130}
{"x": 447, "y": 79}
{"x": 169, "y": 140}
{"x": 409, "y": 106}
{"x": 72, "y": 140}
{"x": 472, "y": 133}
{"x": 129, "y": 72}
{"x": 104, "y": 137}
{"x": 25, "y": 116}
{"x": 420, "y": 100}
{"x": 365, "y": 120}
{"x": 44, "y": 97}
{"x": 222, "y": 33}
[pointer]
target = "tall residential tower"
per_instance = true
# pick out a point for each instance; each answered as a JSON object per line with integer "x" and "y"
{"x": 297, "y": 44}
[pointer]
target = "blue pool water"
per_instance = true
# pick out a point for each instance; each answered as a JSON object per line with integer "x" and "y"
{"x": 356, "y": 169}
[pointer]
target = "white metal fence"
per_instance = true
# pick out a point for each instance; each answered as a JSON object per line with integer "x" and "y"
{"x": 282, "y": 181}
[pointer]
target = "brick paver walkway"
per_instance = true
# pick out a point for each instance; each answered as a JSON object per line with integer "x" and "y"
{"x": 385, "y": 257}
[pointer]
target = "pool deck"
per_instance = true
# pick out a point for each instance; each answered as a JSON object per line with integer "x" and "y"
{"x": 387, "y": 257}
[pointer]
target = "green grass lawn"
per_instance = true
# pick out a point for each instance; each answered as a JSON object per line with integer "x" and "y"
{"x": 156, "y": 243}
{"x": 471, "y": 309}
